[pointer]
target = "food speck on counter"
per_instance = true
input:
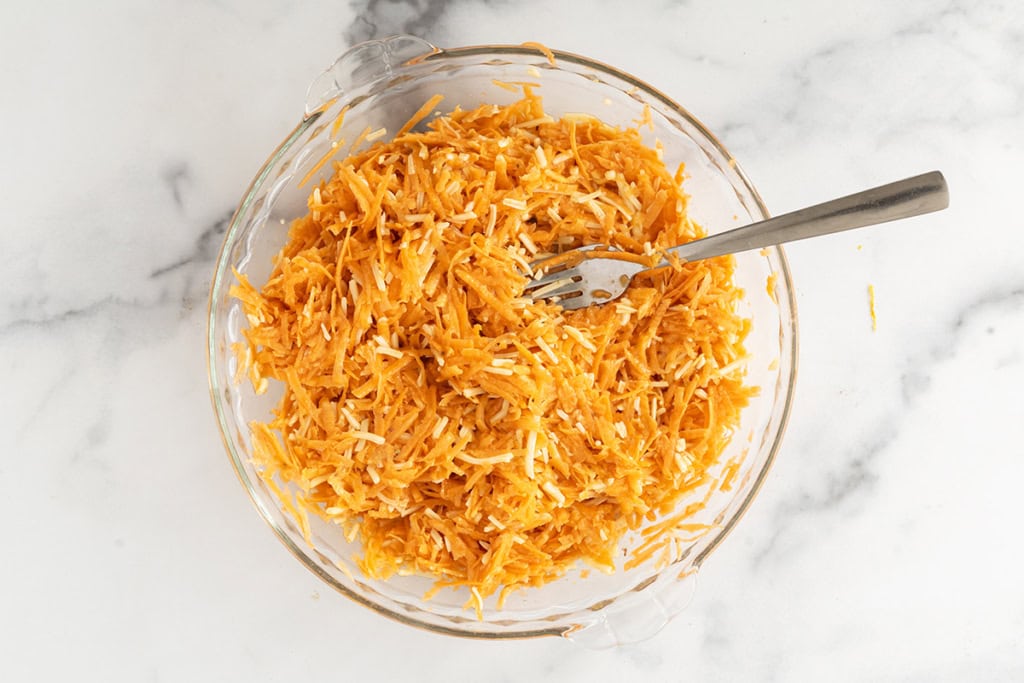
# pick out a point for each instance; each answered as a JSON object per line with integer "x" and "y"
{"x": 871, "y": 307}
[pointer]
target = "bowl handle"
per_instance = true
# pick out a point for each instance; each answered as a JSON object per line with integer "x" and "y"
{"x": 638, "y": 616}
{"x": 364, "y": 64}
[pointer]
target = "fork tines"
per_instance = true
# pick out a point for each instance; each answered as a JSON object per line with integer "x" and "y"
{"x": 553, "y": 285}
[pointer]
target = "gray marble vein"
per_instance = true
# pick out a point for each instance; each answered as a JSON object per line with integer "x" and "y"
{"x": 203, "y": 251}
{"x": 177, "y": 178}
{"x": 856, "y": 475}
{"x": 382, "y": 18}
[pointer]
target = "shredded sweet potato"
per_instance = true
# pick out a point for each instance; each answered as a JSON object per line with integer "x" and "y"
{"x": 871, "y": 308}
{"x": 458, "y": 429}
{"x": 543, "y": 49}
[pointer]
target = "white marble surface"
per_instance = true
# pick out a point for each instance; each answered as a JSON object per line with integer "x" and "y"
{"x": 887, "y": 543}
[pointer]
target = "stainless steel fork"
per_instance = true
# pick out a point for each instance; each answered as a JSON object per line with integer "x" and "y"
{"x": 575, "y": 283}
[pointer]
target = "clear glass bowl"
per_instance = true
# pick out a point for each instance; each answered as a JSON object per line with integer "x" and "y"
{"x": 383, "y": 83}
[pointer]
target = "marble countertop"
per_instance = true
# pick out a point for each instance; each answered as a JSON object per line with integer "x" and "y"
{"x": 887, "y": 543}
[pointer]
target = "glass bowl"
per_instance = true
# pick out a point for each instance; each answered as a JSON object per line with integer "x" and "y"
{"x": 383, "y": 83}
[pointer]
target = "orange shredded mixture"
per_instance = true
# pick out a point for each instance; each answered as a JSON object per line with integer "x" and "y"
{"x": 456, "y": 428}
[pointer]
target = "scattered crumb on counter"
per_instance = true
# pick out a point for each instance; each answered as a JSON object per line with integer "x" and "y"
{"x": 871, "y": 307}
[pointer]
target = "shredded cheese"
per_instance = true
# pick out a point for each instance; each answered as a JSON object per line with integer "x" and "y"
{"x": 455, "y": 427}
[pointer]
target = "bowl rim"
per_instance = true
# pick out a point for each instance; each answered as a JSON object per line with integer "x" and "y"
{"x": 785, "y": 295}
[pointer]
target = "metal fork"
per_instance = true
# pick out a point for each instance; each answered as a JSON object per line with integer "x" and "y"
{"x": 577, "y": 284}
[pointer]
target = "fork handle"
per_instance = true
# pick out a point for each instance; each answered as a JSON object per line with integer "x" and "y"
{"x": 905, "y": 198}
